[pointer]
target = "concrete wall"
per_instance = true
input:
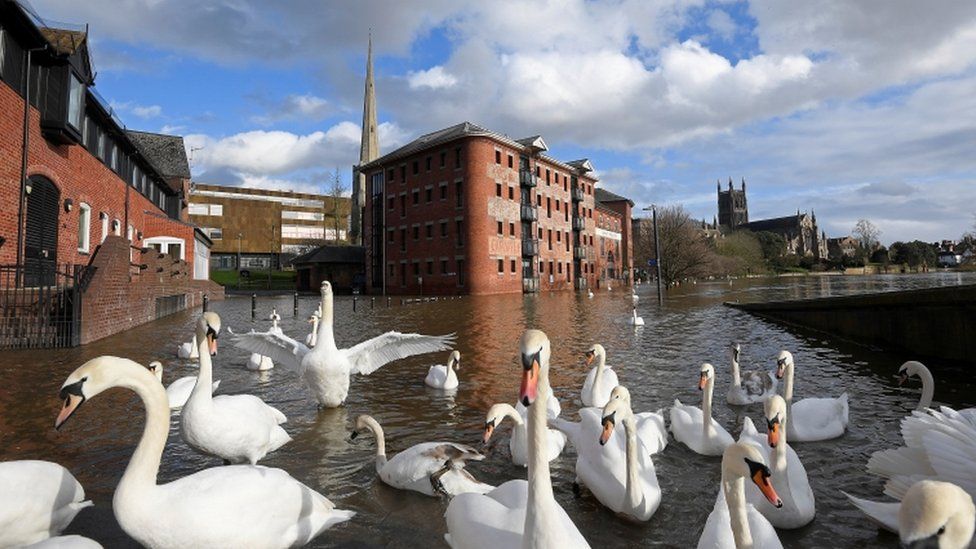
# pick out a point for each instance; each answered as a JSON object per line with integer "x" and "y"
{"x": 935, "y": 322}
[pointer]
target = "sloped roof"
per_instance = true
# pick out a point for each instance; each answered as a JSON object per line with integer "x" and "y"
{"x": 64, "y": 41}
{"x": 330, "y": 253}
{"x": 166, "y": 152}
{"x": 603, "y": 195}
{"x": 788, "y": 223}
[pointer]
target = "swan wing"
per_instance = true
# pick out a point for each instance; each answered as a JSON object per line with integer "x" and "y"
{"x": 66, "y": 542}
{"x": 651, "y": 431}
{"x": 488, "y": 521}
{"x": 370, "y": 355}
{"x": 281, "y": 348}
{"x": 37, "y": 501}
{"x": 883, "y": 514}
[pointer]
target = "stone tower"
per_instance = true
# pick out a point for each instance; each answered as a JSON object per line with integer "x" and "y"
{"x": 369, "y": 150}
{"x": 733, "y": 210}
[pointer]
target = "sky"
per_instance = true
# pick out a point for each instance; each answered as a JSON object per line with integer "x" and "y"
{"x": 852, "y": 110}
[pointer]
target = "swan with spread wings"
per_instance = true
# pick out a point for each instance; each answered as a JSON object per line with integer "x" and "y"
{"x": 326, "y": 368}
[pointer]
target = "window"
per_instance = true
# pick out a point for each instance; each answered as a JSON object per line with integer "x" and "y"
{"x": 557, "y": 204}
{"x": 511, "y": 193}
{"x": 403, "y": 174}
{"x": 443, "y": 191}
{"x": 559, "y": 268}
{"x": 457, "y": 158}
{"x": 460, "y": 272}
{"x": 416, "y": 167}
{"x": 549, "y": 238}
{"x": 104, "y": 219}
{"x": 76, "y": 98}
{"x": 416, "y": 197}
{"x": 403, "y": 205}
{"x": 286, "y": 214}
{"x": 428, "y": 164}
{"x": 85, "y": 138}
{"x": 444, "y": 266}
{"x": 392, "y": 270}
{"x": 500, "y": 229}
{"x": 101, "y": 145}
{"x": 416, "y": 232}
{"x": 511, "y": 229}
{"x": 457, "y": 194}
{"x": 218, "y": 209}
{"x": 84, "y": 227}
{"x": 511, "y": 161}
{"x": 501, "y": 266}
{"x": 460, "y": 233}
{"x": 389, "y": 203}
{"x": 498, "y": 157}
{"x": 498, "y": 189}
{"x": 302, "y": 231}
{"x": 513, "y": 266}
{"x": 430, "y": 267}
{"x": 429, "y": 230}
{"x": 390, "y": 175}
{"x": 443, "y": 159}
{"x": 113, "y": 156}
{"x": 199, "y": 209}
{"x": 403, "y": 240}
{"x": 547, "y": 176}
{"x": 116, "y": 227}
{"x": 548, "y": 206}
{"x": 390, "y": 236}
{"x": 559, "y": 236}
{"x": 443, "y": 228}
{"x": 403, "y": 275}
{"x": 428, "y": 195}
{"x": 416, "y": 268}
{"x": 537, "y": 171}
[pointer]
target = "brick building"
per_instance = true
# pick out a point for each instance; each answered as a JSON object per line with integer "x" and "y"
{"x": 467, "y": 210}
{"x": 615, "y": 246}
{"x": 71, "y": 175}
{"x": 265, "y": 227}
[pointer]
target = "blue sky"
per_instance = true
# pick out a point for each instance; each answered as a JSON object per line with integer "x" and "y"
{"x": 851, "y": 109}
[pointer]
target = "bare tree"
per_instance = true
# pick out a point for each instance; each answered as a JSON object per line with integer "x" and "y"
{"x": 685, "y": 253}
{"x": 867, "y": 235}
{"x": 337, "y": 190}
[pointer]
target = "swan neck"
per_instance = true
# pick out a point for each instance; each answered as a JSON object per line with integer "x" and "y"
{"x": 633, "y": 495}
{"x": 202, "y": 390}
{"x": 779, "y": 455}
{"x": 735, "y": 499}
{"x": 598, "y": 378}
{"x": 736, "y": 374}
{"x": 325, "y": 336}
{"x": 512, "y": 413}
{"x": 315, "y": 332}
{"x": 788, "y": 383}
{"x": 140, "y": 474}
{"x": 540, "y": 511}
{"x": 377, "y": 431}
{"x": 707, "y": 428}
{"x": 928, "y": 388}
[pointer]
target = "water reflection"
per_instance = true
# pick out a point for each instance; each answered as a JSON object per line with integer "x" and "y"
{"x": 659, "y": 362}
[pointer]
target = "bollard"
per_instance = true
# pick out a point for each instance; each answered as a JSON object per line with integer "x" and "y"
{"x": 295, "y": 310}
{"x": 388, "y": 299}
{"x": 206, "y": 301}
{"x": 372, "y": 303}
{"x": 254, "y": 305}
{"x": 354, "y": 304}
{"x": 401, "y": 301}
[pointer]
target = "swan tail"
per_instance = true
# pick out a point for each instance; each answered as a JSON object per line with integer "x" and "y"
{"x": 215, "y": 385}
{"x": 278, "y": 416}
{"x": 279, "y": 437}
{"x": 883, "y": 514}
{"x": 843, "y": 409}
{"x": 902, "y": 461}
{"x": 337, "y": 516}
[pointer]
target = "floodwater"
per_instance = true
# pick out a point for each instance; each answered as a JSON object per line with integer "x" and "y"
{"x": 659, "y": 362}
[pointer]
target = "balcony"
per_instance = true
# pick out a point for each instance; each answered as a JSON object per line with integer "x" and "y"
{"x": 530, "y": 285}
{"x": 579, "y": 224}
{"x": 577, "y": 194}
{"x": 530, "y": 247}
{"x": 580, "y": 283}
{"x": 530, "y": 213}
{"x": 528, "y": 179}
{"x": 579, "y": 252}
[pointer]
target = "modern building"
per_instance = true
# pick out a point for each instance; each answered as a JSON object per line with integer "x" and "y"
{"x": 800, "y": 231}
{"x": 91, "y": 214}
{"x": 258, "y": 228}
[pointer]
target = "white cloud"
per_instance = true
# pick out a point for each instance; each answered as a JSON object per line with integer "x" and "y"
{"x": 141, "y": 111}
{"x": 721, "y": 23}
{"x": 305, "y": 107}
{"x": 433, "y": 78}
{"x": 171, "y": 129}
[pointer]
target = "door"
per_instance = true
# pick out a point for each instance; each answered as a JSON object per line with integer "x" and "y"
{"x": 41, "y": 232}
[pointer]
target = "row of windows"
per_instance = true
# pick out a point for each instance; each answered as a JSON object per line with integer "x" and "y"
{"x": 207, "y": 209}
{"x": 428, "y": 166}
{"x": 428, "y": 197}
{"x": 84, "y": 227}
{"x": 428, "y": 270}
{"x": 428, "y": 233}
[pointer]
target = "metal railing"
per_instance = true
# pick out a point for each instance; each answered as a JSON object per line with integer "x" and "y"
{"x": 530, "y": 285}
{"x": 40, "y": 305}
{"x": 579, "y": 252}
{"x": 577, "y": 194}
{"x": 579, "y": 224}
{"x": 528, "y": 179}
{"x": 530, "y": 246}
{"x": 530, "y": 213}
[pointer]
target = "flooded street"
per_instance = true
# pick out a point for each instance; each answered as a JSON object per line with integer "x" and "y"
{"x": 658, "y": 362}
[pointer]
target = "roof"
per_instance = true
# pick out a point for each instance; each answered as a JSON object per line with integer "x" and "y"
{"x": 64, "y": 41}
{"x": 603, "y": 195}
{"x": 330, "y": 253}
{"x": 166, "y": 152}
{"x": 467, "y": 129}
{"x": 788, "y": 223}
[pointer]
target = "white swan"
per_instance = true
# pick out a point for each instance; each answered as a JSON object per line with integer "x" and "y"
{"x": 444, "y": 376}
{"x": 188, "y": 349}
{"x": 518, "y": 443}
{"x": 235, "y": 506}
{"x": 789, "y": 475}
{"x": 430, "y": 468}
{"x": 519, "y": 513}
{"x": 38, "y": 499}
{"x": 312, "y": 338}
{"x": 749, "y": 387}
{"x": 651, "y": 430}
{"x": 636, "y": 320}
{"x": 179, "y": 391}
{"x": 915, "y": 368}
{"x": 932, "y": 513}
{"x": 812, "y": 419}
{"x": 326, "y": 368}
{"x": 65, "y": 542}
{"x": 589, "y": 294}
{"x": 625, "y": 482}
{"x": 694, "y": 427}
{"x": 237, "y": 428}
{"x": 734, "y": 523}
{"x": 261, "y": 363}
{"x": 600, "y": 380}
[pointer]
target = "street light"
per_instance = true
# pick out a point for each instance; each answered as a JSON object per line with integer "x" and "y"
{"x": 239, "y": 236}
{"x": 657, "y": 253}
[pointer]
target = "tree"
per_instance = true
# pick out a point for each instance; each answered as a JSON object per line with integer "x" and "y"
{"x": 684, "y": 250}
{"x": 880, "y": 256}
{"x": 913, "y": 253}
{"x": 337, "y": 191}
{"x": 743, "y": 252}
{"x": 867, "y": 235}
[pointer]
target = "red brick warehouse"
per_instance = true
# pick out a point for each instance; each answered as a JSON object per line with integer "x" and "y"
{"x": 465, "y": 210}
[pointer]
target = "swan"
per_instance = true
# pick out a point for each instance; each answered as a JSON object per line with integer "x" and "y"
{"x": 627, "y": 482}
{"x": 326, "y": 368}
{"x": 430, "y": 468}
{"x": 444, "y": 377}
{"x": 734, "y": 523}
{"x": 813, "y": 419}
{"x": 600, "y": 381}
{"x": 931, "y": 510}
{"x": 589, "y": 294}
{"x": 234, "y": 506}
{"x": 237, "y": 428}
{"x": 261, "y": 363}
{"x": 694, "y": 427}
{"x": 179, "y": 391}
{"x": 188, "y": 349}
{"x": 749, "y": 387}
{"x": 38, "y": 499}
{"x": 651, "y": 431}
{"x": 65, "y": 542}
{"x": 915, "y": 368}
{"x": 312, "y": 338}
{"x": 518, "y": 443}
{"x": 519, "y": 513}
{"x": 789, "y": 475}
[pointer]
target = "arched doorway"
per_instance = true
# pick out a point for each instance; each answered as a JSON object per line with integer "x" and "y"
{"x": 41, "y": 232}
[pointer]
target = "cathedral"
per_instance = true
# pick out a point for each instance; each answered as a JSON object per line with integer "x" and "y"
{"x": 800, "y": 231}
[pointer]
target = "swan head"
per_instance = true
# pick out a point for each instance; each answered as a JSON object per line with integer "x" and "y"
{"x": 208, "y": 328}
{"x": 314, "y": 319}
{"x": 496, "y": 414}
{"x": 274, "y": 314}
{"x": 595, "y": 350}
{"x": 707, "y": 375}
{"x": 534, "y": 350}
{"x": 775, "y": 411}
{"x": 936, "y": 514}
{"x": 744, "y": 461}
{"x": 326, "y": 288}
{"x": 783, "y": 359}
{"x": 156, "y": 368}
{"x": 454, "y": 361}
{"x": 617, "y": 409}
{"x": 93, "y": 377}
{"x": 735, "y": 349}
{"x": 909, "y": 369}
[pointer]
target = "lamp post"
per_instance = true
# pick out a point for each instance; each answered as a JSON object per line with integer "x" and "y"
{"x": 239, "y": 236}
{"x": 657, "y": 252}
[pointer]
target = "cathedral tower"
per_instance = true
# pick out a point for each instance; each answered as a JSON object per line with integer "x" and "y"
{"x": 733, "y": 210}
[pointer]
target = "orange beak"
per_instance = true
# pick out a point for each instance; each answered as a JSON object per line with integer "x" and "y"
{"x": 902, "y": 379}
{"x": 762, "y": 481}
{"x": 589, "y": 357}
{"x": 530, "y": 384}
{"x": 489, "y": 429}
{"x": 701, "y": 382}
{"x": 607, "y": 430}
{"x": 213, "y": 344}
{"x": 773, "y": 435}
{"x": 71, "y": 403}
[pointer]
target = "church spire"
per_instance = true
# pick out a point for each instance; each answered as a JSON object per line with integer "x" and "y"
{"x": 370, "y": 146}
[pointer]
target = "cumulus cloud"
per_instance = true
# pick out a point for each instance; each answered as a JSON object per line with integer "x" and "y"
{"x": 141, "y": 111}
{"x": 433, "y": 78}
{"x": 889, "y": 188}
{"x": 306, "y": 107}
{"x": 721, "y": 23}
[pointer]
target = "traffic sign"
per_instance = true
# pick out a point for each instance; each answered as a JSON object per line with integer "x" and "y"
{"x": 651, "y": 262}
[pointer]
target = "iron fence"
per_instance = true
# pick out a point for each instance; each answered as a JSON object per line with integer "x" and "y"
{"x": 40, "y": 305}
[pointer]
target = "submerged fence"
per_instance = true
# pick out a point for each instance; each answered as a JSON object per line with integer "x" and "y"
{"x": 40, "y": 305}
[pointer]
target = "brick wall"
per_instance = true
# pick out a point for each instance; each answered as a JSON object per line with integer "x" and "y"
{"x": 626, "y": 262}
{"x": 120, "y": 296}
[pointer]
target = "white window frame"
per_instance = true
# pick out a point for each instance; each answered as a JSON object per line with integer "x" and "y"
{"x": 217, "y": 209}
{"x": 165, "y": 242}
{"x": 116, "y": 227}
{"x": 84, "y": 227}
{"x": 104, "y": 218}
{"x": 199, "y": 209}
